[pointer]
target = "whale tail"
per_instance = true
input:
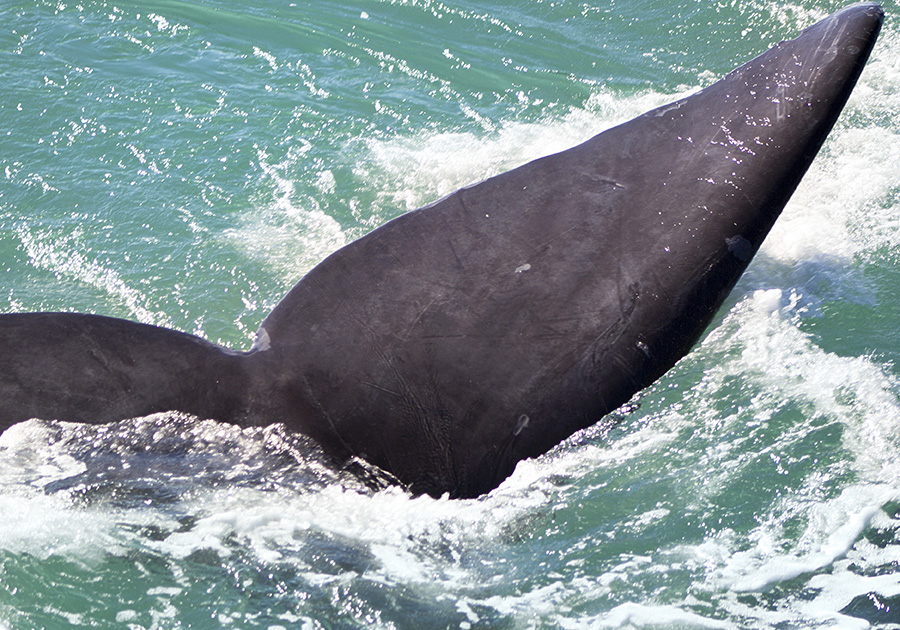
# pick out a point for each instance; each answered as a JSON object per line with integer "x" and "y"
{"x": 460, "y": 338}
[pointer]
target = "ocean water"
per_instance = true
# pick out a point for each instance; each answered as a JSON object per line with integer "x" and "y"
{"x": 185, "y": 162}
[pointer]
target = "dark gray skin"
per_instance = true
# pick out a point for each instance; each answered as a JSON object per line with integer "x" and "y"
{"x": 463, "y": 337}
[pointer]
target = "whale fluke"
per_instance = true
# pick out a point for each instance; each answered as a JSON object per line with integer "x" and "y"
{"x": 458, "y": 339}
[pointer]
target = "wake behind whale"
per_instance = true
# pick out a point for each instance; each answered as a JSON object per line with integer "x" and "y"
{"x": 461, "y": 338}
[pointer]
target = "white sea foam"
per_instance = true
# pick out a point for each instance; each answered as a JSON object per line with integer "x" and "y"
{"x": 786, "y": 363}
{"x": 839, "y": 588}
{"x": 38, "y": 522}
{"x": 411, "y": 171}
{"x": 290, "y": 235}
{"x": 829, "y": 224}
{"x": 385, "y": 537}
{"x": 760, "y": 343}
{"x": 833, "y": 529}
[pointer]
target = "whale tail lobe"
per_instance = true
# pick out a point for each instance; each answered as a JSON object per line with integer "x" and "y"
{"x": 89, "y": 368}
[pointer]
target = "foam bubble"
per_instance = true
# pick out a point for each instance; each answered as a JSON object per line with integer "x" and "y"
{"x": 633, "y": 615}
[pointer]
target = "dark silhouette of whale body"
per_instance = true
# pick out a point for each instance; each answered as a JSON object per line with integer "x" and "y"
{"x": 460, "y": 338}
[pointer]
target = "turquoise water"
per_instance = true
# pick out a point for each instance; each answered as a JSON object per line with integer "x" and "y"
{"x": 185, "y": 163}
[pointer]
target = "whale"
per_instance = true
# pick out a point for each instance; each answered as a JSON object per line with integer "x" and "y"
{"x": 458, "y": 339}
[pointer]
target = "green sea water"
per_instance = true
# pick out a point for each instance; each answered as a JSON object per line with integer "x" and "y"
{"x": 184, "y": 163}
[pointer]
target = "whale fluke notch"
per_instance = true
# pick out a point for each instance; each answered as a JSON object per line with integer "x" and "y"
{"x": 458, "y": 339}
